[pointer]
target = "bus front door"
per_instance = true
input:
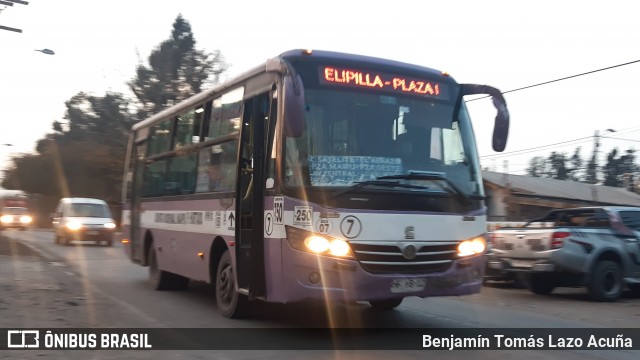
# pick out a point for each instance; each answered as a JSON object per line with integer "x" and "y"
{"x": 250, "y": 194}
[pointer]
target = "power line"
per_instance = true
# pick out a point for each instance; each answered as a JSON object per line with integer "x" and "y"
{"x": 616, "y": 138}
{"x": 549, "y": 146}
{"x": 524, "y": 151}
{"x": 563, "y": 143}
{"x": 560, "y": 79}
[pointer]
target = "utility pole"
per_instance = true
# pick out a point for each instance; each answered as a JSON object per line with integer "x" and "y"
{"x": 591, "y": 176}
{"x": 508, "y": 208}
{"x": 596, "y": 148}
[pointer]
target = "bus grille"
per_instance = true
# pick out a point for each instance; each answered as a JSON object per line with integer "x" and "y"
{"x": 377, "y": 257}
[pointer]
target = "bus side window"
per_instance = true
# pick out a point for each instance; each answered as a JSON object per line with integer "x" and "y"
{"x": 181, "y": 177}
{"x": 154, "y": 178}
{"x": 217, "y": 167}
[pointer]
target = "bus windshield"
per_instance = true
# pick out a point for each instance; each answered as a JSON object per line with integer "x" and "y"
{"x": 353, "y": 137}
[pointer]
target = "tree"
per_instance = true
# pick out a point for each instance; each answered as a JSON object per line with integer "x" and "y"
{"x": 611, "y": 169}
{"x": 538, "y": 167}
{"x": 576, "y": 165}
{"x": 176, "y": 71}
{"x": 616, "y": 168}
{"x": 26, "y": 174}
{"x": 84, "y": 156}
{"x": 628, "y": 162}
{"x": 558, "y": 166}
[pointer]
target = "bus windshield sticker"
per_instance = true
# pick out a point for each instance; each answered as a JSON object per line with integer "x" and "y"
{"x": 268, "y": 223}
{"x": 278, "y": 210}
{"x": 394, "y": 83}
{"x": 324, "y": 226}
{"x": 345, "y": 170}
{"x": 302, "y": 215}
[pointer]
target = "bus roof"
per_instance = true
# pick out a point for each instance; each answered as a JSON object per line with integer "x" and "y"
{"x": 275, "y": 64}
{"x": 376, "y": 62}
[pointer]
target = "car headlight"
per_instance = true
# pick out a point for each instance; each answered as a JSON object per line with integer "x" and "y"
{"x": 474, "y": 246}
{"x": 310, "y": 242}
{"x": 73, "y": 225}
{"x": 26, "y": 219}
{"x": 110, "y": 225}
{"x": 6, "y": 218}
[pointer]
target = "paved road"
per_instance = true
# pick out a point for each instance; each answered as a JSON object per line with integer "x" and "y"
{"x": 111, "y": 292}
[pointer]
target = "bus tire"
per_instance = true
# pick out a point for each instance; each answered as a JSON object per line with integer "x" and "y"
{"x": 164, "y": 280}
{"x": 230, "y": 303}
{"x": 389, "y": 304}
{"x": 606, "y": 282}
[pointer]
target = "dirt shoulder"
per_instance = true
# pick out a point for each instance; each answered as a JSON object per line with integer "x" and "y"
{"x": 37, "y": 292}
{"x": 40, "y": 292}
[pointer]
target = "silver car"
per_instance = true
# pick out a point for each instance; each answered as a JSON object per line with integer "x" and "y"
{"x": 596, "y": 247}
{"x": 83, "y": 219}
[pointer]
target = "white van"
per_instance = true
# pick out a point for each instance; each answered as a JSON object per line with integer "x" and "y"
{"x": 83, "y": 219}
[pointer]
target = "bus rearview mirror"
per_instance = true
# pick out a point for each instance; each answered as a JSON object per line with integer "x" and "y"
{"x": 294, "y": 107}
{"x": 501, "y": 125}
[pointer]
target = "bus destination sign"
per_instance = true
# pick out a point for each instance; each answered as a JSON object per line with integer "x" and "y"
{"x": 331, "y": 75}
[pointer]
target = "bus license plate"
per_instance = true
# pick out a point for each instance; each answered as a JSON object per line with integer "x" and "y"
{"x": 92, "y": 232}
{"x": 407, "y": 285}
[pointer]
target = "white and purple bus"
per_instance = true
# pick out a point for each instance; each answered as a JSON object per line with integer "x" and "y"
{"x": 316, "y": 175}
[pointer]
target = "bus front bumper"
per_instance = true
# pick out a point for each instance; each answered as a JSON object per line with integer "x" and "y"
{"x": 307, "y": 276}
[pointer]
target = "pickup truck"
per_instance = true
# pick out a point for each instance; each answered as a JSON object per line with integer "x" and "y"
{"x": 596, "y": 247}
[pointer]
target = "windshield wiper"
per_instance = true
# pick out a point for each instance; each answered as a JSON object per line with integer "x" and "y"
{"x": 378, "y": 182}
{"x": 432, "y": 175}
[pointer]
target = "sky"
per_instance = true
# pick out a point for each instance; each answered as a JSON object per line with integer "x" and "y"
{"x": 506, "y": 44}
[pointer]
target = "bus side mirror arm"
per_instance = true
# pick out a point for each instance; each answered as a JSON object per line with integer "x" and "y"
{"x": 501, "y": 126}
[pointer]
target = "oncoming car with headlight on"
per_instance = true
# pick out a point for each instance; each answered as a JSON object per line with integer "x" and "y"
{"x": 15, "y": 218}
{"x": 83, "y": 219}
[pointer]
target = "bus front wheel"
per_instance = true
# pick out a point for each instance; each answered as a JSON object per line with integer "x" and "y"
{"x": 230, "y": 303}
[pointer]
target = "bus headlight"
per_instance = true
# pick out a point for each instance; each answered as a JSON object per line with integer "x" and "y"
{"x": 474, "y": 246}
{"x": 110, "y": 225}
{"x": 6, "y": 219}
{"x": 310, "y": 242}
{"x": 339, "y": 247}
{"x": 26, "y": 219}
{"x": 74, "y": 225}
{"x": 316, "y": 244}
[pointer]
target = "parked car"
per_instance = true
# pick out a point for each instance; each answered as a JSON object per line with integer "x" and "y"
{"x": 83, "y": 219}
{"x": 498, "y": 273}
{"x": 596, "y": 247}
